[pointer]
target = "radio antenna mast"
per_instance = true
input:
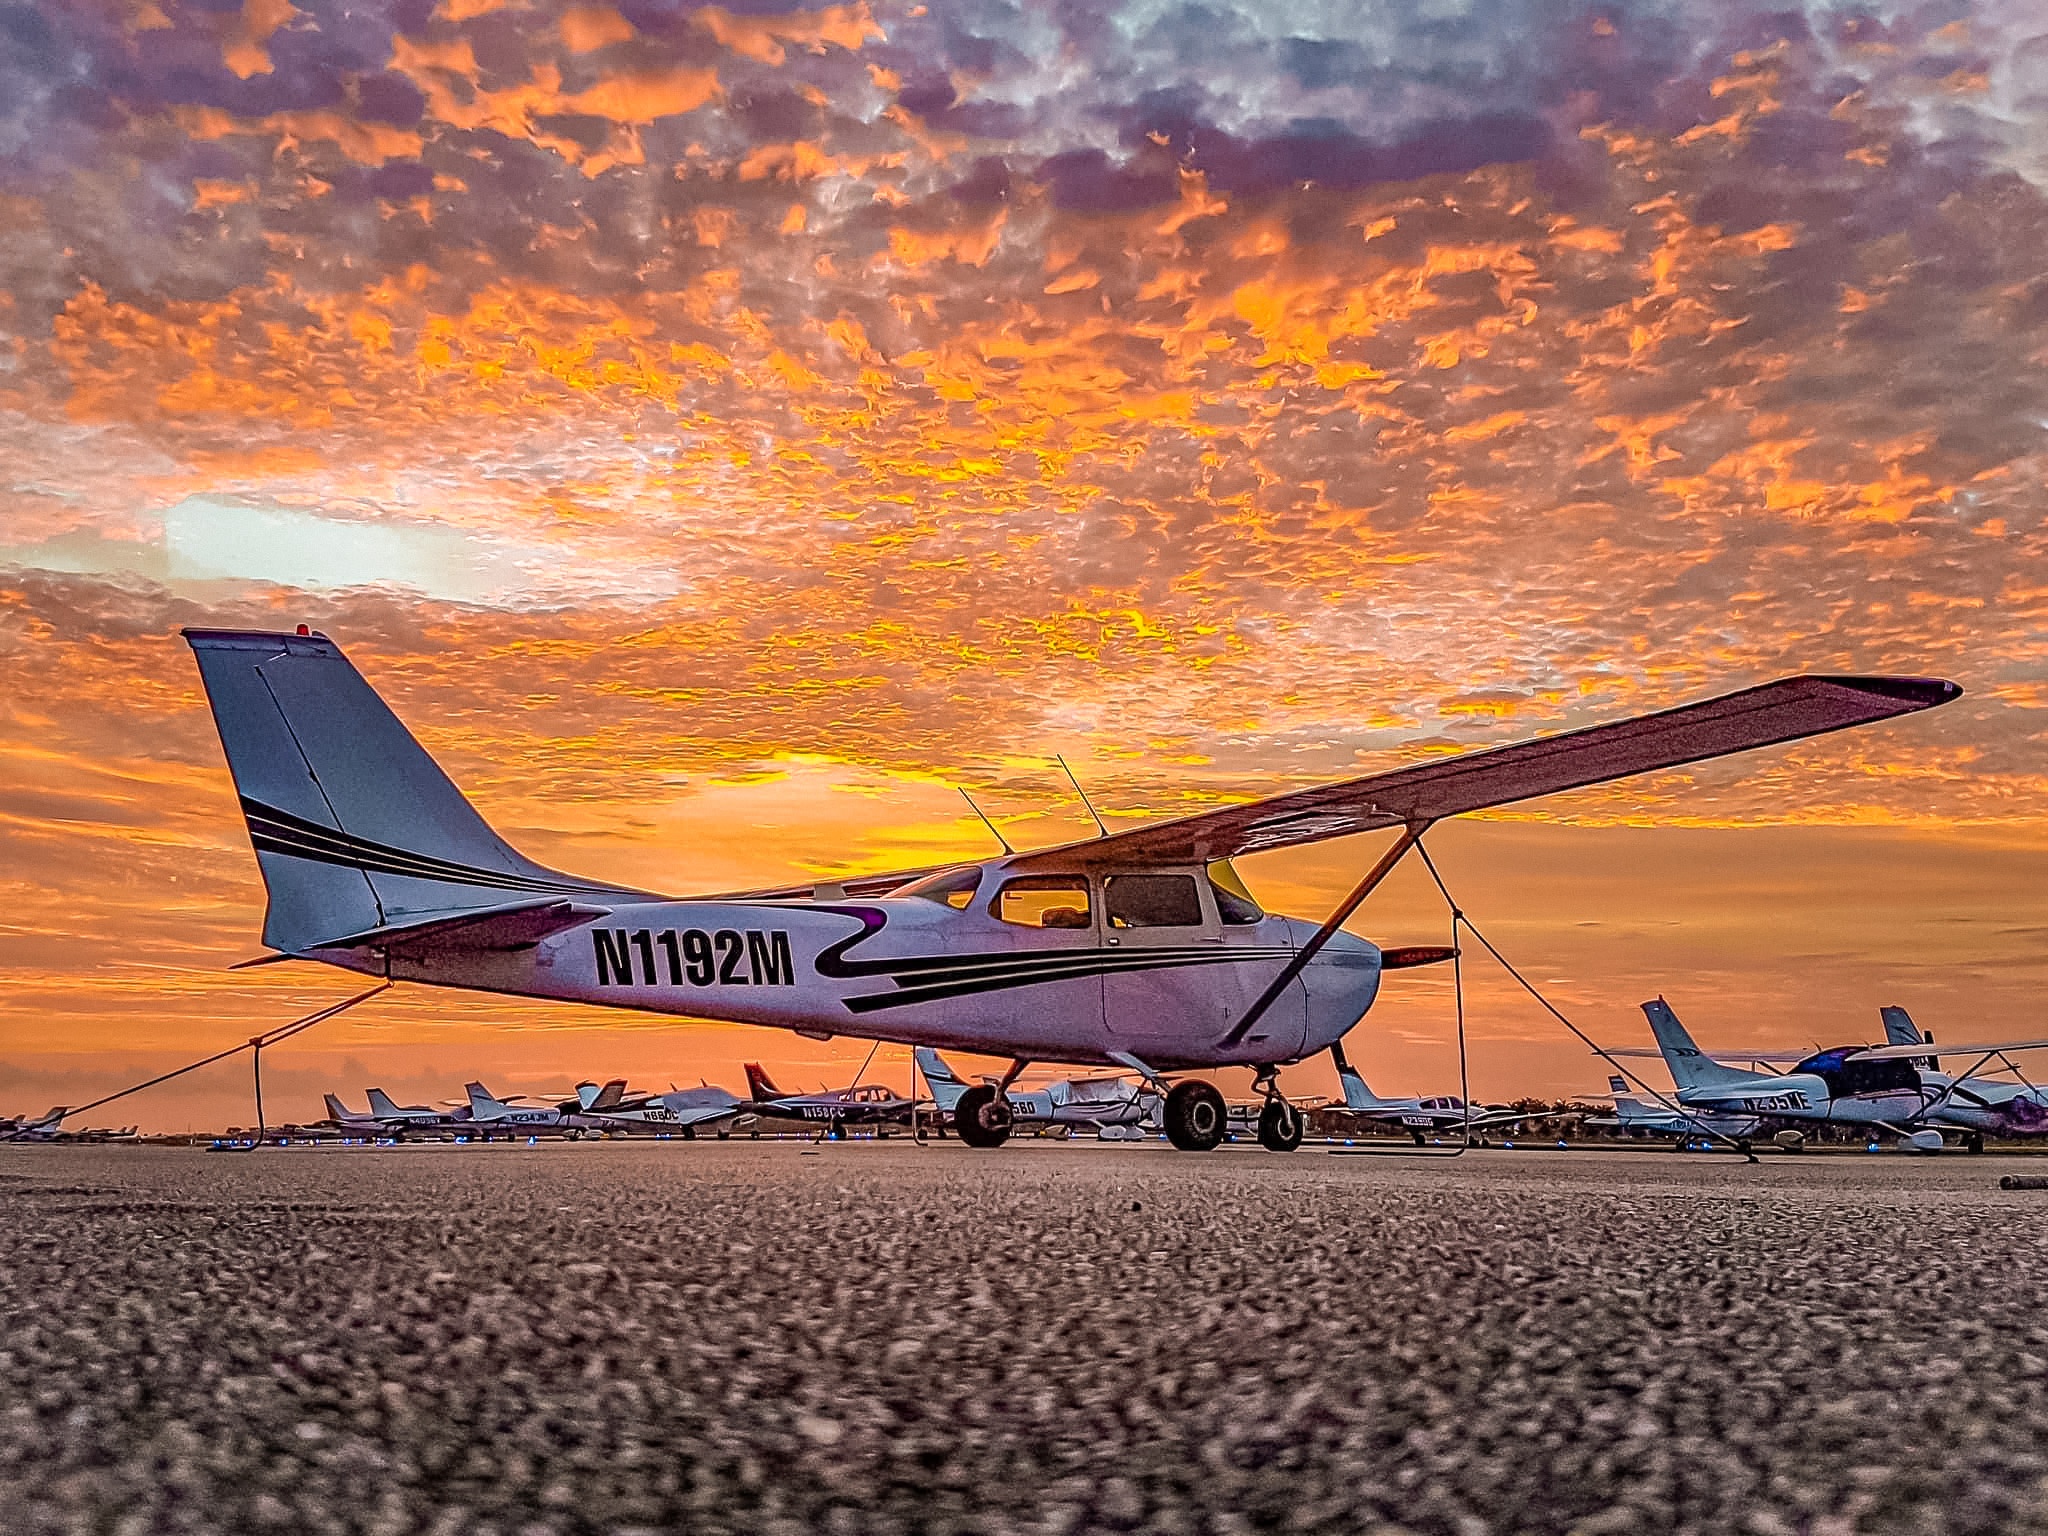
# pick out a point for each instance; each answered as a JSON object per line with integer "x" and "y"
{"x": 985, "y": 821}
{"x": 1100, "y": 829}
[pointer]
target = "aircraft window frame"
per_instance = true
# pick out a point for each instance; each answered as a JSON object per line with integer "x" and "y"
{"x": 1074, "y": 883}
{"x": 953, "y": 888}
{"x": 1236, "y": 906}
{"x": 1114, "y": 924}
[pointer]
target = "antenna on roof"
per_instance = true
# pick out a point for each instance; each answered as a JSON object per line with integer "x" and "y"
{"x": 985, "y": 821}
{"x": 1100, "y": 829}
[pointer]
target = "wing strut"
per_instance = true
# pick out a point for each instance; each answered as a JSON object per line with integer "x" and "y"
{"x": 1410, "y": 837}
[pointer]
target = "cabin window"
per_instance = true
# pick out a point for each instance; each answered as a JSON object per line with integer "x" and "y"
{"x": 1152, "y": 901}
{"x": 952, "y": 887}
{"x": 1045, "y": 901}
{"x": 1234, "y": 904}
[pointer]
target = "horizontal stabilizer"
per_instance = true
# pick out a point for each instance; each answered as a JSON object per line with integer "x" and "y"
{"x": 1406, "y": 957}
{"x": 519, "y": 926}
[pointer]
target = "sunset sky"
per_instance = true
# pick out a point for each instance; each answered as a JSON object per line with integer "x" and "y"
{"x": 721, "y": 433}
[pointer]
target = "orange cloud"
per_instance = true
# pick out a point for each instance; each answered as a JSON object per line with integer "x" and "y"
{"x": 762, "y": 38}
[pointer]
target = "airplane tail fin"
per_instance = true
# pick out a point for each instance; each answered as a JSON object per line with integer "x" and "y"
{"x": 482, "y": 1104}
{"x": 1899, "y": 1028}
{"x": 355, "y": 827}
{"x": 946, "y": 1084}
{"x": 758, "y": 1085}
{"x": 1689, "y": 1067}
{"x": 380, "y": 1103}
{"x": 1358, "y": 1093}
{"x": 336, "y": 1110}
{"x": 605, "y": 1097}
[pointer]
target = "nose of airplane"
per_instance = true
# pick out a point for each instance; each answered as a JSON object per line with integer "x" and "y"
{"x": 1342, "y": 982}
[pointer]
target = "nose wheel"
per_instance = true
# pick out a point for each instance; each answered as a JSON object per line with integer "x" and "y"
{"x": 1195, "y": 1116}
{"x": 1280, "y": 1126}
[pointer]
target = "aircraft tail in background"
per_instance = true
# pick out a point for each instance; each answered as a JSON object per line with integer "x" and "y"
{"x": 946, "y": 1085}
{"x": 1689, "y": 1067}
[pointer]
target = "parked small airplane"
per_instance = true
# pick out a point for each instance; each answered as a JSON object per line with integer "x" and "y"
{"x": 679, "y": 1111}
{"x": 1845, "y": 1085}
{"x": 866, "y": 1104}
{"x": 1140, "y": 949}
{"x": 1078, "y": 1103}
{"x": 1975, "y": 1105}
{"x": 1644, "y": 1117}
{"x": 45, "y": 1127}
{"x": 1419, "y": 1117}
{"x": 50, "y": 1128}
{"x": 491, "y": 1116}
{"x": 395, "y": 1120}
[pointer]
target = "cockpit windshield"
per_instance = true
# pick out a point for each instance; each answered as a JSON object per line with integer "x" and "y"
{"x": 1845, "y": 1075}
{"x": 1234, "y": 903}
{"x": 954, "y": 888}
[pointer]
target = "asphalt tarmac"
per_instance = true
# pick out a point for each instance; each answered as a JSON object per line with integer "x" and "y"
{"x": 772, "y": 1339}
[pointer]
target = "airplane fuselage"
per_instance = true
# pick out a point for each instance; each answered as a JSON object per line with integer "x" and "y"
{"x": 923, "y": 971}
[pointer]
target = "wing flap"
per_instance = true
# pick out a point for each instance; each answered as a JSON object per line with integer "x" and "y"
{"x": 1790, "y": 709}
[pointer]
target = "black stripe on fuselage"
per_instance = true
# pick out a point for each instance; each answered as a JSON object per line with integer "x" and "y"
{"x": 1073, "y": 964}
{"x": 275, "y": 831}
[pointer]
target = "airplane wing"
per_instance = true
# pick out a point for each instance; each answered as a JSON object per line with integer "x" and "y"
{"x": 1787, "y": 710}
{"x": 1929, "y": 1048}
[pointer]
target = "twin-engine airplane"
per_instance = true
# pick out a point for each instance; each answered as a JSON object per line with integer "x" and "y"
{"x": 1420, "y": 1117}
{"x": 874, "y": 1104}
{"x": 1139, "y": 949}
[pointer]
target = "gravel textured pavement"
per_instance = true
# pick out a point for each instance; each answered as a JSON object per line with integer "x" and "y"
{"x": 757, "y": 1337}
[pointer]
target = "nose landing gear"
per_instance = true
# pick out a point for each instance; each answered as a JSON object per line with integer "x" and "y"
{"x": 1280, "y": 1124}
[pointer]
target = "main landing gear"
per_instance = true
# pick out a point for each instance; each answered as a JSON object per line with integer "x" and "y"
{"x": 983, "y": 1116}
{"x": 1195, "y": 1116}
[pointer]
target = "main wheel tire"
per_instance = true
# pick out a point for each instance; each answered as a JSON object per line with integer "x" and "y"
{"x": 983, "y": 1117}
{"x": 1280, "y": 1126}
{"x": 1195, "y": 1116}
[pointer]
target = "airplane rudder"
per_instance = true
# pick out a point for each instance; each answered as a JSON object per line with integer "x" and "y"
{"x": 1899, "y": 1028}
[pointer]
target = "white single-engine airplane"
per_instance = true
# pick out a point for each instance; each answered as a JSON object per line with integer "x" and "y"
{"x": 1139, "y": 949}
{"x": 1072, "y": 1104}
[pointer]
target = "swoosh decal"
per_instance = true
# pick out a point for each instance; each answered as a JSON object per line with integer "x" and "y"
{"x": 933, "y": 978}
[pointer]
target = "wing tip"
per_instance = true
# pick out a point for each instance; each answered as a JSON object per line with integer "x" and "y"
{"x": 201, "y": 638}
{"x": 1912, "y": 692}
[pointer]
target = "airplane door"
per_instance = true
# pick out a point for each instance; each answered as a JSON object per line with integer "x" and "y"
{"x": 1175, "y": 976}
{"x": 1042, "y": 988}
